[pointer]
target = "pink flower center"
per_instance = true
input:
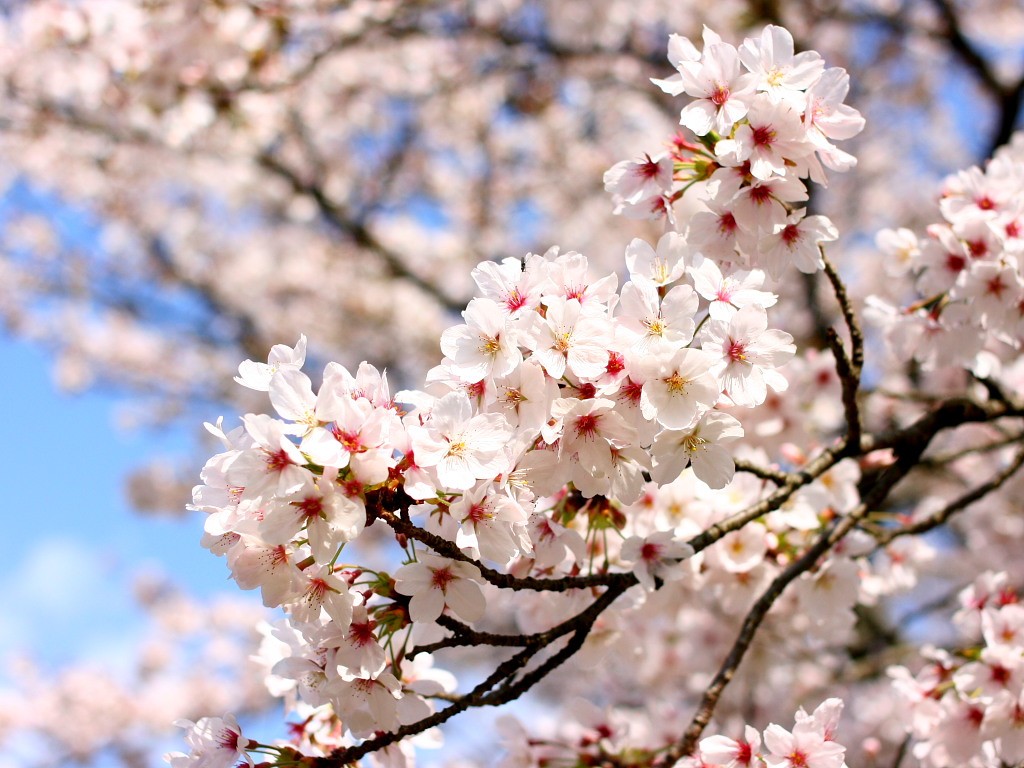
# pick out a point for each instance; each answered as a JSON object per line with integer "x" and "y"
{"x": 1000, "y": 674}
{"x": 586, "y": 425}
{"x": 478, "y": 513}
{"x": 311, "y": 506}
{"x": 349, "y": 440}
{"x": 632, "y": 390}
{"x": 977, "y": 248}
{"x": 361, "y": 634}
{"x": 719, "y": 95}
{"x": 995, "y": 287}
{"x": 763, "y": 136}
{"x": 514, "y": 300}
{"x": 228, "y": 739}
{"x": 647, "y": 169}
{"x": 276, "y": 556}
{"x": 315, "y": 592}
{"x": 726, "y": 223}
{"x": 955, "y": 262}
{"x": 736, "y": 351}
{"x": 650, "y": 552}
{"x": 278, "y": 460}
{"x": 744, "y": 753}
{"x": 760, "y": 195}
{"x": 791, "y": 235}
{"x": 441, "y": 578}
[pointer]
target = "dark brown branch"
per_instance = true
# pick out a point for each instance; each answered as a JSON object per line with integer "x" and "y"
{"x": 848, "y": 367}
{"x": 465, "y": 635}
{"x": 348, "y": 756}
{"x": 688, "y": 744}
{"x": 513, "y": 690}
{"x": 906, "y": 460}
{"x": 964, "y": 48}
{"x": 482, "y": 695}
{"x": 246, "y": 337}
{"x": 450, "y": 550}
{"x": 796, "y": 480}
{"x": 901, "y": 752}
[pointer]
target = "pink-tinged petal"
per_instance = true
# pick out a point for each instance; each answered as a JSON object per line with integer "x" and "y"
{"x": 291, "y": 394}
{"x": 322, "y": 448}
{"x": 713, "y": 465}
{"x": 372, "y": 467}
{"x": 745, "y": 387}
{"x": 483, "y": 467}
{"x": 587, "y": 361}
{"x": 699, "y": 116}
{"x": 734, "y": 110}
{"x": 454, "y": 473}
{"x": 466, "y": 600}
{"x": 427, "y": 605}
{"x": 718, "y": 750}
{"x": 749, "y": 322}
{"x": 412, "y": 578}
{"x": 778, "y": 739}
{"x": 552, "y": 361}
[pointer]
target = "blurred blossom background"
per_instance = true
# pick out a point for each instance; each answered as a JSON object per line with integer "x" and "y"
{"x": 184, "y": 184}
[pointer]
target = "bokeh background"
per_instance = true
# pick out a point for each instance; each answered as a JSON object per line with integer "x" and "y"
{"x": 184, "y": 184}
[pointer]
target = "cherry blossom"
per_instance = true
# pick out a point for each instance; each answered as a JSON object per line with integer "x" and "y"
{"x": 435, "y": 583}
{"x": 746, "y": 353}
{"x": 215, "y": 742}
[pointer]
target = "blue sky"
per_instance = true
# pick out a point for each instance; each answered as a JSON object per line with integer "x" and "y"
{"x": 73, "y": 544}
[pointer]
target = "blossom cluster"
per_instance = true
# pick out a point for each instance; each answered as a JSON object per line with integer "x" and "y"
{"x": 555, "y": 387}
{"x": 600, "y": 736}
{"x": 967, "y": 708}
{"x": 966, "y": 271}
{"x": 563, "y": 402}
{"x": 810, "y": 743}
{"x": 765, "y": 118}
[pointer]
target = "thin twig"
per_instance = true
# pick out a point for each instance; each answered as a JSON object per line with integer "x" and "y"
{"x": 938, "y": 518}
{"x": 848, "y": 367}
{"x": 777, "y": 476}
{"x": 482, "y": 694}
{"x": 451, "y": 550}
{"x": 915, "y": 440}
{"x": 949, "y": 458}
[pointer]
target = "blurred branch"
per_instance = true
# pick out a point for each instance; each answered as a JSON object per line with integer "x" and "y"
{"x": 356, "y": 231}
{"x": 938, "y": 518}
{"x": 1007, "y": 97}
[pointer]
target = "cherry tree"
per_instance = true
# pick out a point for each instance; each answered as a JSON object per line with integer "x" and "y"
{"x": 593, "y": 485}
{"x": 809, "y": 480}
